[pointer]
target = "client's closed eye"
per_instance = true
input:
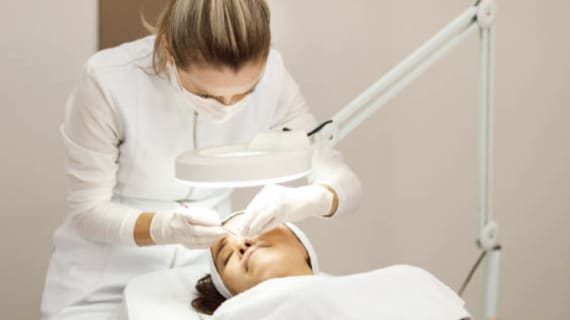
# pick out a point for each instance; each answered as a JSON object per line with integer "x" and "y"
{"x": 228, "y": 257}
{"x": 241, "y": 252}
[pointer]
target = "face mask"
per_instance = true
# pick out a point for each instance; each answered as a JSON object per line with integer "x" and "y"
{"x": 209, "y": 108}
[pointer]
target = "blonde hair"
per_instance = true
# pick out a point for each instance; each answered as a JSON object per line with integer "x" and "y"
{"x": 218, "y": 33}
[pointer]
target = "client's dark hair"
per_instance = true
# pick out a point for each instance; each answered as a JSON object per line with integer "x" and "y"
{"x": 208, "y": 299}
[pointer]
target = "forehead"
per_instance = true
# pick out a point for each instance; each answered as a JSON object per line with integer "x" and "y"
{"x": 224, "y": 81}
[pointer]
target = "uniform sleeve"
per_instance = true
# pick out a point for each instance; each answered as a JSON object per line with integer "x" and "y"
{"x": 328, "y": 165}
{"x": 91, "y": 134}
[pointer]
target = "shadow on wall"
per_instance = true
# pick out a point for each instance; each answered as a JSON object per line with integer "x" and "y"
{"x": 120, "y": 21}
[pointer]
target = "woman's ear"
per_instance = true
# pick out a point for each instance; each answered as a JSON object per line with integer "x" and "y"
{"x": 166, "y": 48}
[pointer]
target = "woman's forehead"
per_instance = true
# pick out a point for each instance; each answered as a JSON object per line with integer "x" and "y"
{"x": 224, "y": 81}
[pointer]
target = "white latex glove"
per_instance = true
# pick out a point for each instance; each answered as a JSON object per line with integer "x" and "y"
{"x": 193, "y": 227}
{"x": 276, "y": 204}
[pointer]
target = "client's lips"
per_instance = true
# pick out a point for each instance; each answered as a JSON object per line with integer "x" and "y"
{"x": 248, "y": 255}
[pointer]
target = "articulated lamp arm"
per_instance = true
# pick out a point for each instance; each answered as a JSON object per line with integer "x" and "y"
{"x": 398, "y": 78}
{"x": 480, "y": 16}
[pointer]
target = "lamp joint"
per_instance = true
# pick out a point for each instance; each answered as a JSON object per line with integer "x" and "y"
{"x": 329, "y": 133}
{"x": 489, "y": 236}
{"x": 486, "y": 14}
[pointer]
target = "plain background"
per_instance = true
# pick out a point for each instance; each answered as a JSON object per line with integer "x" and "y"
{"x": 416, "y": 158}
{"x": 43, "y": 45}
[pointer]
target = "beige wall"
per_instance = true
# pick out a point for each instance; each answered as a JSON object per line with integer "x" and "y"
{"x": 120, "y": 21}
{"x": 416, "y": 158}
{"x": 43, "y": 45}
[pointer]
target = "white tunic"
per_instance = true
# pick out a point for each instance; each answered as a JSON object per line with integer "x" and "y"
{"x": 123, "y": 128}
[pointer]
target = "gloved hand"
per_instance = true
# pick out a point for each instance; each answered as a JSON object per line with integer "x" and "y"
{"x": 276, "y": 204}
{"x": 193, "y": 227}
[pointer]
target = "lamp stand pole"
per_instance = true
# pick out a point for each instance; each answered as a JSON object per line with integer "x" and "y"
{"x": 488, "y": 237}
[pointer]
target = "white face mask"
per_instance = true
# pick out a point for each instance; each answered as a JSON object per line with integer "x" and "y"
{"x": 210, "y": 108}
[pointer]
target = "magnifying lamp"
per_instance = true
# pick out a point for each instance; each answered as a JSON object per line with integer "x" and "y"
{"x": 284, "y": 156}
{"x": 272, "y": 157}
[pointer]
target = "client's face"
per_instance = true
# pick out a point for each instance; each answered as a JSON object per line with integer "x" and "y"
{"x": 243, "y": 264}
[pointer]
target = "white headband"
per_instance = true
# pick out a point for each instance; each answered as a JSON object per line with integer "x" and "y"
{"x": 217, "y": 279}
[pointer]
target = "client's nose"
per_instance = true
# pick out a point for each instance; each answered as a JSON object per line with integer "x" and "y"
{"x": 244, "y": 246}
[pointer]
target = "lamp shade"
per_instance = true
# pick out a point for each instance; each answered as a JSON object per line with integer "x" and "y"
{"x": 271, "y": 157}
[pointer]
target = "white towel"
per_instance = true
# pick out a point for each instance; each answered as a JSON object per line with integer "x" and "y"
{"x": 393, "y": 293}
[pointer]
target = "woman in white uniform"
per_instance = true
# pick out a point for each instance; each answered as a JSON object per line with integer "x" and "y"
{"x": 208, "y": 77}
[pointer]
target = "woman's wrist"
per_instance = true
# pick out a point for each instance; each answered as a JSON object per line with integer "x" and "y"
{"x": 141, "y": 231}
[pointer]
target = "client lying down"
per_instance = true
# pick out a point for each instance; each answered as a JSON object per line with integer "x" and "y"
{"x": 239, "y": 264}
{"x": 275, "y": 274}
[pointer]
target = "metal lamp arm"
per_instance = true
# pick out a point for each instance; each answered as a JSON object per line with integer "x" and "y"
{"x": 480, "y": 16}
{"x": 399, "y": 77}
